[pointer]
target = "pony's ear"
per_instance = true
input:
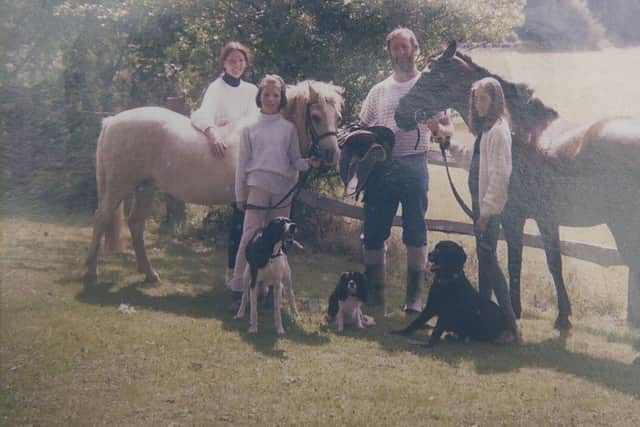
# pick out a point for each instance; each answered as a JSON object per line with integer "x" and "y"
{"x": 313, "y": 94}
{"x": 451, "y": 49}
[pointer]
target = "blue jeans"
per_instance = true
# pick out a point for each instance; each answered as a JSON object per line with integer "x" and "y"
{"x": 399, "y": 180}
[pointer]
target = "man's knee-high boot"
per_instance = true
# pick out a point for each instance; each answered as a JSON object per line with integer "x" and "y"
{"x": 374, "y": 270}
{"x": 416, "y": 263}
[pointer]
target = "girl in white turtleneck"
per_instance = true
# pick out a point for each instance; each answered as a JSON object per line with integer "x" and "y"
{"x": 228, "y": 102}
{"x": 268, "y": 163}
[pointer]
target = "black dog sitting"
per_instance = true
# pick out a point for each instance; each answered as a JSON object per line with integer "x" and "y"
{"x": 459, "y": 307}
{"x": 345, "y": 303}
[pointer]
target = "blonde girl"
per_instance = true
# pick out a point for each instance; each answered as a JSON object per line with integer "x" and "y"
{"x": 489, "y": 174}
{"x": 268, "y": 164}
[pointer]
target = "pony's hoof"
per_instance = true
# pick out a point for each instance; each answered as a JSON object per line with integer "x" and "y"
{"x": 90, "y": 278}
{"x": 562, "y": 324}
{"x": 152, "y": 277}
{"x": 281, "y": 332}
{"x": 238, "y": 316}
{"x": 253, "y": 330}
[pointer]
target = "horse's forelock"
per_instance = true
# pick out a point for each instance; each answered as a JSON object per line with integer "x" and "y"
{"x": 325, "y": 93}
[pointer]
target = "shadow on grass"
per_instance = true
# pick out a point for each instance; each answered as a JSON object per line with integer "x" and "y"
{"x": 186, "y": 267}
{"x": 550, "y": 354}
{"x": 36, "y": 211}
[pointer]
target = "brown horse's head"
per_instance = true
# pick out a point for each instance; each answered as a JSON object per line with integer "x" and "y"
{"x": 445, "y": 83}
{"x": 315, "y": 108}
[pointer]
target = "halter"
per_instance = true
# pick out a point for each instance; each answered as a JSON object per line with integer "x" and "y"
{"x": 313, "y": 134}
{"x": 314, "y": 151}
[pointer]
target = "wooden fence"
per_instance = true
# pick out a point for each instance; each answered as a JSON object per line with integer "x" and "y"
{"x": 601, "y": 255}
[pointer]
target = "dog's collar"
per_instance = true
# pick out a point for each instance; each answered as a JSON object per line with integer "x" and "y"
{"x": 448, "y": 277}
{"x": 280, "y": 250}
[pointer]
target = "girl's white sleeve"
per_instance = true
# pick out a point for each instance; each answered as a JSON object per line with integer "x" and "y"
{"x": 499, "y": 170}
{"x": 204, "y": 117}
{"x": 294, "y": 151}
{"x": 244, "y": 154}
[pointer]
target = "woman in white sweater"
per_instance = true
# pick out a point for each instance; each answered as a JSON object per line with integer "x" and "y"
{"x": 268, "y": 163}
{"x": 489, "y": 172}
{"x": 228, "y": 102}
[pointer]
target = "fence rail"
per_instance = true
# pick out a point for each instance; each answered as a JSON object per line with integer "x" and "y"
{"x": 601, "y": 255}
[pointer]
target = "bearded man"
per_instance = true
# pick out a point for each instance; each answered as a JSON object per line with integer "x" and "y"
{"x": 401, "y": 179}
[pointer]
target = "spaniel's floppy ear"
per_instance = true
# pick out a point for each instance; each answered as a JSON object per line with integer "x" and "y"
{"x": 272, "y": 230}
{"x": 342, "y": 286}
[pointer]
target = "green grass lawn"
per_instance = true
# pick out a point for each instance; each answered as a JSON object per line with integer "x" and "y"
{"x": 69, "y": 357}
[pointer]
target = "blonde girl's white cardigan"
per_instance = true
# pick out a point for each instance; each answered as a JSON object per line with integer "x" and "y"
{"x": 495, "y": 166}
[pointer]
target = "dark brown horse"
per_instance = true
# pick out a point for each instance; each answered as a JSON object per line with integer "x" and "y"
{"x": 562, "y": 174}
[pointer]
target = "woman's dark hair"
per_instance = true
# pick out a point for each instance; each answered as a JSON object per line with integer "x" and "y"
{"x": 230, "y": 47}
{"x": 272, "y": 79}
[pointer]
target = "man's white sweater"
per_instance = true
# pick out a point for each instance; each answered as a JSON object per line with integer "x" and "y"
{"x": 379, "y": 108}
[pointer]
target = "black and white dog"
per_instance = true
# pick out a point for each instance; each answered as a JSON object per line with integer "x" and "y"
{"x": 459, "y": 307}
{"x": 345, "y": 303}
{"x": 267, "y": 266}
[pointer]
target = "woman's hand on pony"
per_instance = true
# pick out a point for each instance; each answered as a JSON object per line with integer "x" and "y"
{"x": 217, "y": 148}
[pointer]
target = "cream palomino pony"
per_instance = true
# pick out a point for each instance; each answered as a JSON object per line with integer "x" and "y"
{"x": 150, "y": 148}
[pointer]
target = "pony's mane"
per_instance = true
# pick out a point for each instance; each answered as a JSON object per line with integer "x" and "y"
{"x": 528, "y": 113}
{"x": 328, "y": 91}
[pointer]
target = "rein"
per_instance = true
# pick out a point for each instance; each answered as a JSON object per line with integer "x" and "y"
{"x": 314, "y": 151}
{"x": 419, "y": 116}
{"x": 457, "y": 196}
{"x": 297, "y": 187}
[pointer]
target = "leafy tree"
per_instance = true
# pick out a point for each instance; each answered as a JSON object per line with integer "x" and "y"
{"x": 83, "y": 58}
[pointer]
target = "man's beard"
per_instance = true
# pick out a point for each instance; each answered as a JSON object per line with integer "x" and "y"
{"x": 402, "y": 64}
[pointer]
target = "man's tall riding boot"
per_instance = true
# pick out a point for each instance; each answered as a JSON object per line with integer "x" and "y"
{"x": 416, "y": 263}
{"x": 374, "y": 260}
{"x": 413, "y": 301}
{"x": 375, "y": 276}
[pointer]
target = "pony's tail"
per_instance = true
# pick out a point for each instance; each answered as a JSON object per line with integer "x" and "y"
{"x": 112, "y": 240}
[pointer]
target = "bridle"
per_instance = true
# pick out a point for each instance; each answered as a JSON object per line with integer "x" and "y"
{"x": 314, "y": 151}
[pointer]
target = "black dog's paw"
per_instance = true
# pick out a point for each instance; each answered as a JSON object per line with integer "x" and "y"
{"x": 404, "y": 331}
{"x": 421, "y": 343}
